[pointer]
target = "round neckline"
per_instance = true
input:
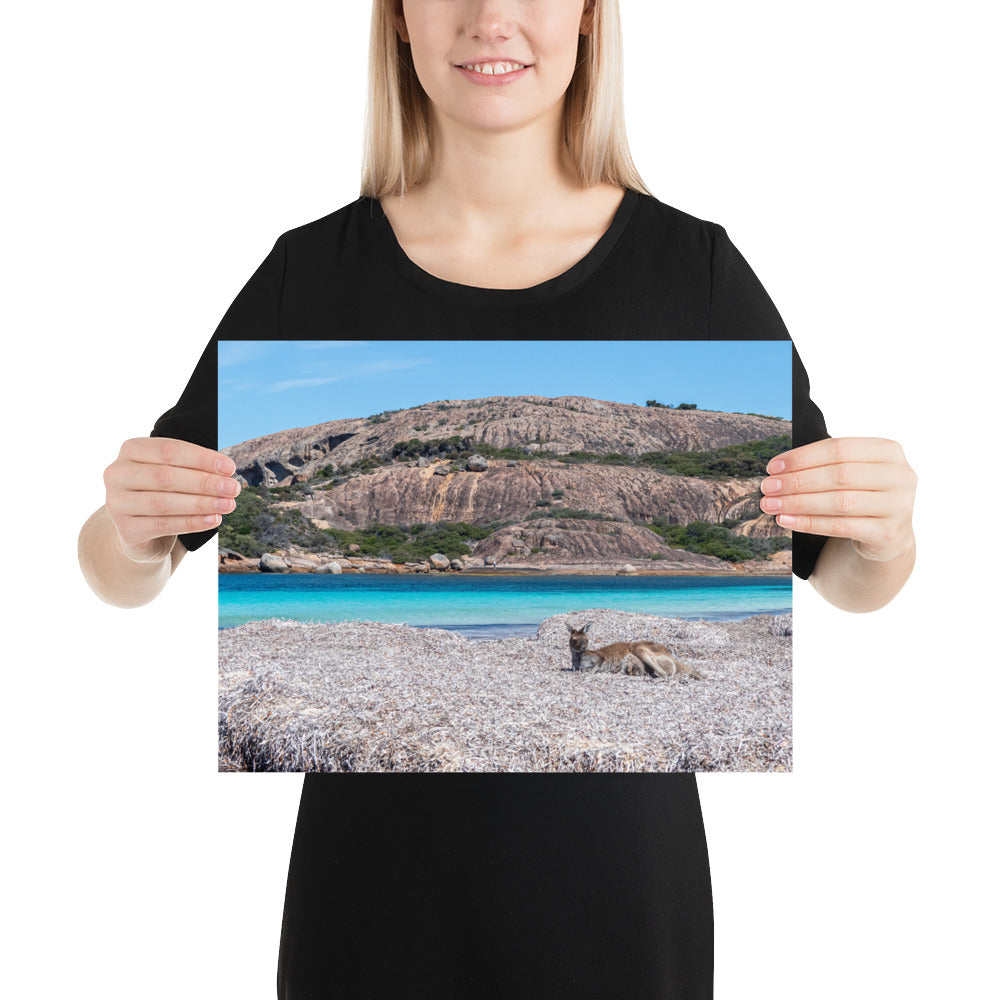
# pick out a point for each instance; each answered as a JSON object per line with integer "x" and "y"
{"x": 569, "y": 279}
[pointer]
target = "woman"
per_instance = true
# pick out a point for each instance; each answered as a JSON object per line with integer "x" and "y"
{"x": 503, "y": 205}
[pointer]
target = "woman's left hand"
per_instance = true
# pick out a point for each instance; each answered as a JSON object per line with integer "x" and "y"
{"x": 852, "y": 487}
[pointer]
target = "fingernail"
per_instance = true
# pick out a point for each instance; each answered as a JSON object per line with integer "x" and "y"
{"x": 770, "y": 485}
{"x": 787, "y": 520}
{"x": 775, "y": 466}
{"x": 225, "y": 466}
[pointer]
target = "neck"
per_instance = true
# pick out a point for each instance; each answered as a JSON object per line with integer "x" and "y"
{"x": 488, "y": 181}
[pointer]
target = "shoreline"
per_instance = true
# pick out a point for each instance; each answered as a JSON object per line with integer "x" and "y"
{"x": 451, "y": 627}
{"x": 510, "y": 571}
{"x": 295, "y": 560}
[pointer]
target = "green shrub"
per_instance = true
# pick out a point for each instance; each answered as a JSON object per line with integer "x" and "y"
{"x": 418, "y": 542}
{"x": 716, "y": 540}
{"x": 737, "y": 461}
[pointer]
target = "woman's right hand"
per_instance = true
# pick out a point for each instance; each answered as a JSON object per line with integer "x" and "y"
{"x": 159, "y": 488}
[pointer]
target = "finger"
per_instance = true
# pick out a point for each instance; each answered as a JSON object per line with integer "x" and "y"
{"x": 138, "y": 476}
{"x": 840, "y": 503}
{"x": 156, "y": 503}
{"x": 175, "y": 452}
{"x": 832, "y": 451}
{"x": 844, "y": 476}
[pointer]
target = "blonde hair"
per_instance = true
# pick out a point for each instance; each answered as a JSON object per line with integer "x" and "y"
{"x": 397, "y": 139}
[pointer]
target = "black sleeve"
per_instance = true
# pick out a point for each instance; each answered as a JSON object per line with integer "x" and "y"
{"x": 741, "y": 309}
{"x": 255, "y": 314}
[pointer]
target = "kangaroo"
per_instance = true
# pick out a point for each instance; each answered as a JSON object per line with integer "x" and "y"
{"x": 634, "y": 658}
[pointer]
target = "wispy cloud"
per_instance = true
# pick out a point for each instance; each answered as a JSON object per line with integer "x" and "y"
{"x": 351, "y": 373}
{"x": 304, "y": 383}
{"x": 241, "y": 352}
{"x": 232, "y": 386}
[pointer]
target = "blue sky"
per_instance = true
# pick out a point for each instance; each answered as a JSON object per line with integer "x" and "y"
{"x": 267, "y": 386}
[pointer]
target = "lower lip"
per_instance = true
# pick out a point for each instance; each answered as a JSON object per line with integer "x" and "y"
{"x": 485, "y": 80}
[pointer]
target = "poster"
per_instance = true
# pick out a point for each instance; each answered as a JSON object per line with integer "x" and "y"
{"x": 504, "y": 556}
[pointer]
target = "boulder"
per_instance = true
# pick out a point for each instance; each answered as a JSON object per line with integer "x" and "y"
{"x": 332, "y": 567}
{"x": 476, "y": 463}
{"x": 627, "y": 568}
{"x": 440, "y": 561}
{"x": 270, "y": 563}
{"x": 231, "y": 562}
{"x": 456, "y": 564}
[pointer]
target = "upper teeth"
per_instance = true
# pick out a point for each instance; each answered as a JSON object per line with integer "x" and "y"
{"x": 494, "y": 69}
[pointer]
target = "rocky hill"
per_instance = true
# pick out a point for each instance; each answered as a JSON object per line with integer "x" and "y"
{"x": 533, "y": 423}
{"x": 563, "y": 481}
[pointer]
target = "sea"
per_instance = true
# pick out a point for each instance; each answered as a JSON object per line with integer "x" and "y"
{"x": 491, "y": 607}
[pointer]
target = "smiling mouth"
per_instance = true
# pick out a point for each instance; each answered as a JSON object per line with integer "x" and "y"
{"x": 493, "y": 68}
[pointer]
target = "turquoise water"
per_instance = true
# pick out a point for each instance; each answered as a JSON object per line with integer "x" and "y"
{"x": 491, "y": 607}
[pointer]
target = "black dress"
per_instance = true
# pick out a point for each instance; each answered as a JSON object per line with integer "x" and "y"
{"x": 498, "y": 885}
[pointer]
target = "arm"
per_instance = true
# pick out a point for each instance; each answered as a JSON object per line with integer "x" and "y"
{"x": 160, "y": 488}
{"x": 838, "y": 490}
{"x": 853, "y": 583}
{"x": 115, "y": 577}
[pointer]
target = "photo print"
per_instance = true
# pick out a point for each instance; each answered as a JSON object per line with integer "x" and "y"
{"x": 504, "y": 556}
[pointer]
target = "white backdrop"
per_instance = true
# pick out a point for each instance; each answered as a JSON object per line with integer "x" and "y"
{"x": 155, "y": 151}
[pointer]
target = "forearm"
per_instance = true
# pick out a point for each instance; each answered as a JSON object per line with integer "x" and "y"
{"x": 852, "y": 583}
{"x": 113, "y": 576}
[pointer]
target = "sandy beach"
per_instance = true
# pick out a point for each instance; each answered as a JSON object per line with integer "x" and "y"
{"x": 373, "y": 696}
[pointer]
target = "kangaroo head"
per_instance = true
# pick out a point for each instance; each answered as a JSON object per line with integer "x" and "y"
{"x": 578, "y": 637}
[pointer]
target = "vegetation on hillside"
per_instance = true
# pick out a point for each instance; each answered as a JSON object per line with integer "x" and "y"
{"x": 717, "y": 540}
{"x": 256, "y": 527}
{"x": 415, "y": 542}
{"x": 734, "y": 461}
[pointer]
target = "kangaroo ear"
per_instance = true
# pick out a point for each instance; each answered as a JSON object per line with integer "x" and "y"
{"x": 570, "y": 627}
{"x": 587, "y": 626}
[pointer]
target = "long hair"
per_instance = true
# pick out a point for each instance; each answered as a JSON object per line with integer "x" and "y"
{"x": 397, "y": 138}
